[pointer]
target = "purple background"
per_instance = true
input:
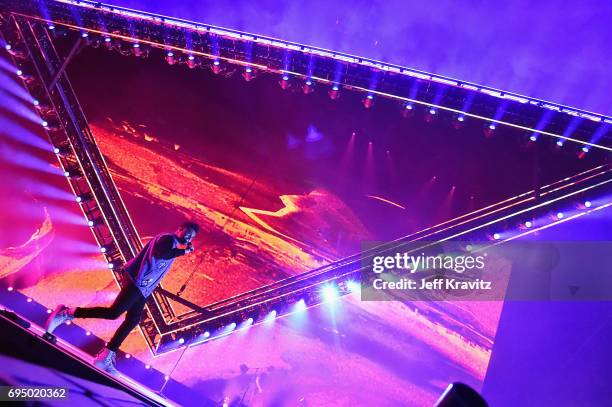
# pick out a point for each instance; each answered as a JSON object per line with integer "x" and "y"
{"x": 557, "y": 51}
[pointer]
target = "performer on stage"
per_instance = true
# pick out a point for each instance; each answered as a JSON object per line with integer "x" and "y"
{"x": 143, "y": 273}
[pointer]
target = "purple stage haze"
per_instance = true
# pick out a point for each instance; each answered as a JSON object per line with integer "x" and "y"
{"x": 545, "y": 49}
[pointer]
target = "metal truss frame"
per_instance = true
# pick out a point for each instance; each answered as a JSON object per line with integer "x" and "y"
{"x": 29, "y": 27}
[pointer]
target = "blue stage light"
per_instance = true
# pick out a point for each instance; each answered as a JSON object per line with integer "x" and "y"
{"x": 496, "y": 236}
{"x": 533, "y": 138}
{"x": 492, "y": 126}
{"x": 560, "y": 143}
{"x": 585, "y": 149}
{"x": 587, "y": 204}
{"x": 300, "y": 305}
{"x": 330, "y": 292}
{"x": 560, "y": 215}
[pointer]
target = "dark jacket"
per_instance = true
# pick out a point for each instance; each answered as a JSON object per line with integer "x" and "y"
{"x": 151, "y": 264}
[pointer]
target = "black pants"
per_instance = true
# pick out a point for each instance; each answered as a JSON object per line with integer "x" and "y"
{"x": 129, "y": 299}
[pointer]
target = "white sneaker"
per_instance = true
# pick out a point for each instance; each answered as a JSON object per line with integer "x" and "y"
{"x": 105, "y": 360}
{"x": 61, "y": 314}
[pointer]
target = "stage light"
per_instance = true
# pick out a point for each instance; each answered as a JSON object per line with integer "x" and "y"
{"x": 587, "y": 204}
{"x": 147, "y": 367}
{"x": 166, "y": 378}
{"x": 206, "y": 334}
{"x": 330, "y": 292}
{"x": 248, "y": 74}
{"x": 49, "y": 311}
{"x": 432, "y": 110}
{"x": 51, "y": 27}
{"x": 91, "y": 223}
{"x": 528, "y": 224}
{"x": 492, "y": 126}
{"x": 496, "y": 236}
{"x": 533, "y": 137}
{"x": 88, "y": 333}
{"x": 61, "y": 151}
{"x": 216, "y": 66}
{"x": 44, "y": 123}
{"x": 334, "y": 93}
{"x": 84, "y": 35}
{"x": 83, "y": 197}
{"x": 137, "y": 50}
{"x": 408, "y": 106}
{"x": 72, "y": 173}
{"x": 111, "y": 265}
{"x": 191, "y": 62}
{"x": 585, "y": 149}
{"x": 182, "y": 341}
{"x": 300, "y": 305}
{"x": 29, "y": 300}
{"x": 35, "y": 102}
{"x": 308, "y": 86}
{"x": 7, "y": 47}
{"x": 249, "y": 321}
{"x": 461, "y": 118}
{"x": 560, "y": 143}
{"x": 232, "y": 326}
{"x": 284, "y": 82}
{"x": 107, "y": 43}
{"x": 10, "y": 288}
{"x": 368, "y": 101}
{"x": 560, "y": 215}
{"x": 107, "y": 248}
{"x": 170, "y": 58}
{"x": 19, "y": 72}
{"x": 68, "y": 323}
{"x": 107, "y": 39}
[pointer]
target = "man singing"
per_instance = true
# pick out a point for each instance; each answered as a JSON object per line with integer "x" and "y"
{"x": 143, "y": 273}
